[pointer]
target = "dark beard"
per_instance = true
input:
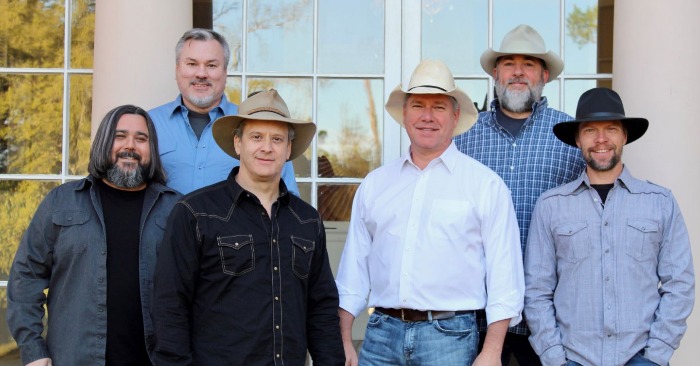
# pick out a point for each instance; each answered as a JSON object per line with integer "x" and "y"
{"x": 127, "y": 178}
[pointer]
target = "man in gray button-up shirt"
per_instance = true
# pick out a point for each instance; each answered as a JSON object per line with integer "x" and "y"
{"x": 92, "y": 243}
{"x": 608, "y": 269}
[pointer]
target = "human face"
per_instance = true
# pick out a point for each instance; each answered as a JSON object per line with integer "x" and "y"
{"x": 201, "y": 74}
{"x": 263, "y": 148}
{"x": 131, "y": 153}
{"x": 519, "y": 82}
{"x": 601, "y": 145}
{"x": 430, "y": 120}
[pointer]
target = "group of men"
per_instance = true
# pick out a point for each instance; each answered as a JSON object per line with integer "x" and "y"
{"x": 515, "y": 231}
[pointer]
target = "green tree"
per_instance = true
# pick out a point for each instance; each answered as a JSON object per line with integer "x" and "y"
{"x": 582, "y": 25}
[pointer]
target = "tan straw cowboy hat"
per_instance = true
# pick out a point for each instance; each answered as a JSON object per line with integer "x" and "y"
{"x": 523, "y": 40}
{"x": 433, "y": 77}
{"x": 265, "y": 106}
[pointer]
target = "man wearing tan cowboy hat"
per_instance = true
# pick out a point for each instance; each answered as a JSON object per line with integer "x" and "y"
{"x": 608, "y": 268}
{"x": 432, "y": 238}
{"x": 243, "y": 276}
{"x": 514, "y": 138}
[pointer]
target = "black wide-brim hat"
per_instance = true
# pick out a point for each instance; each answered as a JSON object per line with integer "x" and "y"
{"x": 600, "y": 104}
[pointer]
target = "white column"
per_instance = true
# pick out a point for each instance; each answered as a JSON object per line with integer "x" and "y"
{"x": 134, "y": 61}
{"x": 656, "y": 52}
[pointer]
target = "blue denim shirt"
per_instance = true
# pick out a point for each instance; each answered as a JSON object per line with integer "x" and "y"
{"x": 192, "y": 163}
{"x": 64, "y": 249}
{"x": 606, "y": 281}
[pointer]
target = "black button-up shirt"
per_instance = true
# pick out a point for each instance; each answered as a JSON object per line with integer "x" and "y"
{"x": 234, "y": 286}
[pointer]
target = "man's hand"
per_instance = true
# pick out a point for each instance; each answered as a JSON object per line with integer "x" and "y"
{"x": 493, "y": 344}
{"x": 40, "y": 362}
{"x": 346, "y": 320}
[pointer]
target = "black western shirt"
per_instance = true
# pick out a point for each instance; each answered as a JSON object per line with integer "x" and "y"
{"x": 236, "y": 286}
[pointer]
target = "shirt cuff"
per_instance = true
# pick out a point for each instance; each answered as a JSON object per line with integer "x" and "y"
{"x": 34, "y": 351}
{"x": 352, "y": 304}
{"x": 658, "y": 352}
{"x": 553, "y": 356}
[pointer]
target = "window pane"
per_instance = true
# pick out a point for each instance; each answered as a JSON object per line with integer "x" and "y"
{"x": 280, "y": 35}
{"x": 18, "y": 202}
{"x": 233, "y": 89}
{"x": 79, "y": 120}
{"x": 574, "y": 88}
{"x": 227, "y": 16}
{"x": 551, "y": 91}
{"x": 455, "y": 32}
{"x": 32, "y": 130}
{"x": 82, "y": 33}
{"x": 351, "y": 36}
{"x": 349, "y": 126}
{"x": 477, "y": 90}
{"x": 543, "y": 15}
{"x": 588, "y": 37}
{"x": 31, "y": 33}
{"x": 335, "y": 200}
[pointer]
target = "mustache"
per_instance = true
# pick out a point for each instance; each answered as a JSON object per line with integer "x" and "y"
{"x": 519, "y": 80}
{"x": 200, "y": 81}
{"x": 129, "y": 155}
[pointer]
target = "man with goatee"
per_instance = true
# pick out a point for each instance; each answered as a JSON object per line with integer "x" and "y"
{"x": 89, "y": 254}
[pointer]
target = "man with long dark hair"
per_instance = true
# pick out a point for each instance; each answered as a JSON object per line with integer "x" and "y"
{"x": 92, "y": 243}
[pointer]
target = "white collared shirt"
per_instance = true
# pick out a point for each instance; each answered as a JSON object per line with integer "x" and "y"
{"x": 441, "y": 238}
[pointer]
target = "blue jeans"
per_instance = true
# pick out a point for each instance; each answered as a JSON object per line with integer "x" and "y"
{"x": 637, "y": 360}
{"x": 447, "y": 342}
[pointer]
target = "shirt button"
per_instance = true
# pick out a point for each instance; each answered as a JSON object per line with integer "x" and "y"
{"x": 278, "y": 355}
{"x": 100, "y": 337}
{"x": 607, "y": 279}
{"x": 100, "y": 280}
{"x": 607, "y": 251}
{"x": 104, "y": 252}
{"x": 274, "y": 268}
{"x": 101, "y": 310}
{"x": 277, "y": 327}
{"x": 606, "y": 223}
{"x": 277, "y": 298}
{"x": 274, "y": 240}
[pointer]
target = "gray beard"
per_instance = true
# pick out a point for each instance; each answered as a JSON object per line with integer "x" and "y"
{"x": 202, "y": 102}
{"x": 125, "y": 178}
{"x": 518, "y": 101}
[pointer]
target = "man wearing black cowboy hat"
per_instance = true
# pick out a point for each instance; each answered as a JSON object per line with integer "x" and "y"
{"x": 608, "y": 268}
{"x": 243, "y": 276}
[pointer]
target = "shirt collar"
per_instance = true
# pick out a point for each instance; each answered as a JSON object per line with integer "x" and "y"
{"x": 239, "y": 192}
{"x": 179, "y": 105}
{"x": 624, "y": 180}
{"x": 448, "y": 159}
{"x": 536, "y": 107}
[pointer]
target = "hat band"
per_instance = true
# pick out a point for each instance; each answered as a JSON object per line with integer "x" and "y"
{"x": 428, "y": 86}
{"x": 267, "y": 109}
{"x": 599, "y": 115}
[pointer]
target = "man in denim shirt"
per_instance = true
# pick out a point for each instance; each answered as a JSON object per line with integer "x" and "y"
{"x": 92, "y": 243}
{"x": 243, "y": 277}
{"x": 190, "y": 156}
{"x": 514, "y": 138}
{"x": 608, "y": 268}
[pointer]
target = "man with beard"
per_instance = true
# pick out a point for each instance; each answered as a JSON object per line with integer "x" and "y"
{"x": 92, "y": 243}
{"x": 190, "y": 156}
{"x": 514, "y": 138}
{"x": 608, "y": 269}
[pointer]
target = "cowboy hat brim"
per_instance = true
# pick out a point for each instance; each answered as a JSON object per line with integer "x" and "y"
{"x": 566, "y": 131}
{"x": 552, "y": 61}
{"x": 468, "y": 113}
{"x": 223, "y": 128}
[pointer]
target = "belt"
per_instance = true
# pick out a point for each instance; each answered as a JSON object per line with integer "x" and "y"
{"x": 410, "y": 315}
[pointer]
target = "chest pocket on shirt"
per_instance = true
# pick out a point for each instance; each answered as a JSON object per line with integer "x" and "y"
{"x": 237, "y": 254}
{"x": 643, "y": 239}
{"x": 301, "y": 258}
{"x": 573, "y": 241}
{"x": 73, "y": 237}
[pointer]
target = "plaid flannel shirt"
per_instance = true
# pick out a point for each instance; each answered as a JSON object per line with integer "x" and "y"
{"x": 529, "y": 163}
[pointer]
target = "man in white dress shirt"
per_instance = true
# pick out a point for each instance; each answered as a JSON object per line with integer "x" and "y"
{"x": 433, "y": 237}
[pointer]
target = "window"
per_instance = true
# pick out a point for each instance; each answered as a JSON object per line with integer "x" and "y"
{"x": 46, "y": 50}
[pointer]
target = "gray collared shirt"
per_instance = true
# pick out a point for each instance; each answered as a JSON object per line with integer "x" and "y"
{"x": 606, "y": 281}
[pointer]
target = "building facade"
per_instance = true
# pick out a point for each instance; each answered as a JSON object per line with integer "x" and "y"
{"x": 335, "y": 62}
